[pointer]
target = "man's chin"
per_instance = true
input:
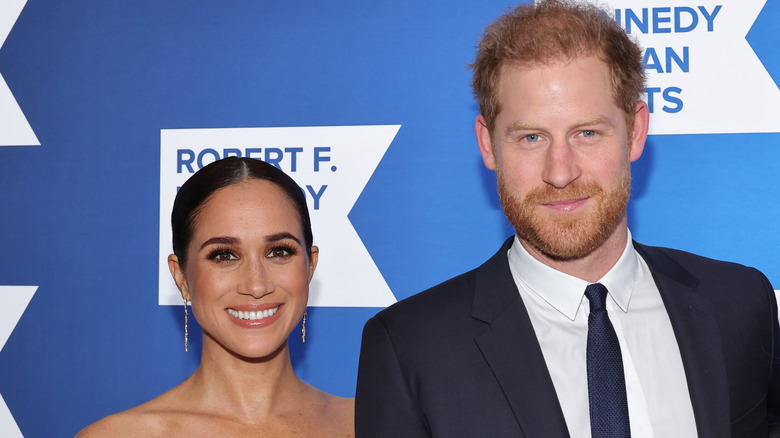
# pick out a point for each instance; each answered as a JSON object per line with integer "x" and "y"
{"x": 563, "y": 248}
{"x": 566, "y": 253}
{"x": 562, "y": 238}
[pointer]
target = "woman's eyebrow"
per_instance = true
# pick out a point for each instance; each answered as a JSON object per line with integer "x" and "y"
{"x": 281, "y": 236}
{"x": 223, "y": 240}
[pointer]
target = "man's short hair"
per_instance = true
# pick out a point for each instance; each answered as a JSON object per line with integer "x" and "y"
{"x": 551, "y": 31}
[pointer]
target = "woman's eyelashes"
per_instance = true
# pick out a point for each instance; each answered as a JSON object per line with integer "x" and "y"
{"x": 282, "y": 252}
{"x": 227, "y": 255}
{"x": 222, "y": 255}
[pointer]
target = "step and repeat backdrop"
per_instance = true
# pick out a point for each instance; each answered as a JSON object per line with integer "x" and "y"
{"x": 106, "y": 107}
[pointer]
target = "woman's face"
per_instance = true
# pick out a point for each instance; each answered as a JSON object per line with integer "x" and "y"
{"x": 247, "y": 271}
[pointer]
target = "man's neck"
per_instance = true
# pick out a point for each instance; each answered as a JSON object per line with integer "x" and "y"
{"x": 594, "y": 265}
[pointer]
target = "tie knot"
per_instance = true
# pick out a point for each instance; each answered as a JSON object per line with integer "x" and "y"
{"x": 597, "y": 295}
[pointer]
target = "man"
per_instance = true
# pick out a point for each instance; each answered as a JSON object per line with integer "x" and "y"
{"x": 571, "y": 329}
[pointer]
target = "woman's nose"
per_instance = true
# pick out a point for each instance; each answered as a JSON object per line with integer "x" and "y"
{"x": 257, "y": 280}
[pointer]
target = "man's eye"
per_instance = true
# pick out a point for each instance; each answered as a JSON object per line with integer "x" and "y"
{"x": 588, "y": 133}
{"x": 532, "y": 137}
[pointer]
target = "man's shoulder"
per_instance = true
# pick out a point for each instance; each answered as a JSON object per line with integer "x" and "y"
{"x": 452, "y": 298}
{"x": 657, "y": 253}
{"x": 451, "y": 295}
{"x": 675, "y": 262}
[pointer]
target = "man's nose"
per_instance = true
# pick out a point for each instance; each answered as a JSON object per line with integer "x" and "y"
{"x": 560, "y": 165}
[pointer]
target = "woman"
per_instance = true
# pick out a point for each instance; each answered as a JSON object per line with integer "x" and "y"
{"x": 243, "y": 256}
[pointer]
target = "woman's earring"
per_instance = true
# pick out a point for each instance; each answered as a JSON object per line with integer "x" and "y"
{"x": 303, "y": 328}
{"x": 186, "y": 323}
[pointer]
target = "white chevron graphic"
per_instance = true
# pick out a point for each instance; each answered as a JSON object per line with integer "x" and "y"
{"x": 14, "y": 128}
{"x": 13, "y": 302}
{"x": 353, "y": 153}
{"x": 698, "y": 93}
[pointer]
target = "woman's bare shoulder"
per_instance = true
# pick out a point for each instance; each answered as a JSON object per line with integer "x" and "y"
{"x": 343, "y": 405}
{"x": 129, "y": 423}
{"x": 153, "y": 418}
{"x": 334, "y": 414}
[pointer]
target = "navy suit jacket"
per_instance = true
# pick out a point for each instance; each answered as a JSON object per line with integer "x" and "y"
{"x": 462, "y": 359}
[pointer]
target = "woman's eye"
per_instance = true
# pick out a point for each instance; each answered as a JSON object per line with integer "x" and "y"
{"x": 222, "y": 255}
{"x": 281, "y": 252}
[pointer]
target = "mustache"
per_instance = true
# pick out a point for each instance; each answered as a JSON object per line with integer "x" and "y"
{"x": 575, "y": 190}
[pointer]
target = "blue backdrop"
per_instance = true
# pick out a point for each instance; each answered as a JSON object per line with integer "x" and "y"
{"x": 97, "y": 82}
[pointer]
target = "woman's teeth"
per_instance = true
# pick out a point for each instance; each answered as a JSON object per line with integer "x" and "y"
{"x": 253, "y": 316}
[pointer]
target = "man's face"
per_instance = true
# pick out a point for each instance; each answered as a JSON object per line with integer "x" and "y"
{"x": 560, "y": 149}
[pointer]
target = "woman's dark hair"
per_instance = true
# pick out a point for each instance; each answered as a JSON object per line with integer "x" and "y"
{"x": 222, "y": 173}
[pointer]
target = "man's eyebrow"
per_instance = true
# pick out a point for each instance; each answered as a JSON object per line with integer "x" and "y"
{"x": 598, "y": 120}
{"x": 223, "y": 240}
{"x": 523, "y": 126}
{"x": 520, "y": 126}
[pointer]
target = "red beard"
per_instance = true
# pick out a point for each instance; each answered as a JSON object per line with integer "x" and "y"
{"x": 567, "y": 236}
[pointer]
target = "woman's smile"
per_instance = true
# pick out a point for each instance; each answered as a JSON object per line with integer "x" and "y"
{"x": 254, "y": 318}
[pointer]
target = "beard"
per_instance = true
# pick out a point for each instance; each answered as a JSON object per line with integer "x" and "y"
{"x": 567, "y": 236}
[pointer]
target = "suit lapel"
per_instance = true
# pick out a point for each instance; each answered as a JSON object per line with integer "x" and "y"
{"x": 512, "y": 350}
{"x": 698, "y": 338}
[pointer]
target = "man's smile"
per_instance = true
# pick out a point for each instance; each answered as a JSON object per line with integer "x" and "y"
{"x": 566, "y": 205}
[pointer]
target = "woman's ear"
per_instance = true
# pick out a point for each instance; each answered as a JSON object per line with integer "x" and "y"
{"x": 315, "y": 252}
{"x": 178, "y": 276}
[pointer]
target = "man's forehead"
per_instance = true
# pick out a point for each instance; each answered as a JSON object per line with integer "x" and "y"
{"x": 514, "y": 67}
{"x": 547, "y": 61}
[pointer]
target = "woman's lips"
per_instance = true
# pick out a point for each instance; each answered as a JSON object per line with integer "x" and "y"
{"x": 254, "y": 316}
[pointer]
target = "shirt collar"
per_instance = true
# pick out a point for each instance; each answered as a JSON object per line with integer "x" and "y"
{"x": 565, "y": 292}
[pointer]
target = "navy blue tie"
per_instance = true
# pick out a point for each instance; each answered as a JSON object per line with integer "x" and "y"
{"x": 606, "y": 382}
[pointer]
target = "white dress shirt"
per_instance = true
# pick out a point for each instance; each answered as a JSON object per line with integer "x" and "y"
{"x": 658, "y": 401}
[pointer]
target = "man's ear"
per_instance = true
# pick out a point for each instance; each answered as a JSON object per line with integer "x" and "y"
{"x": 485, "y": 142}
{"x": 639, "y": 131}
{"x": 178, "y": 276}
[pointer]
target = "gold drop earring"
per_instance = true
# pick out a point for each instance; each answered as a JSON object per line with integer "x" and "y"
{"x": 186, "y": 323}
{"x": 303, "y": 328}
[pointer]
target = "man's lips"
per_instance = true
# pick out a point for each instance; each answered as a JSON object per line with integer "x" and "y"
{"x": 566, "y": 205}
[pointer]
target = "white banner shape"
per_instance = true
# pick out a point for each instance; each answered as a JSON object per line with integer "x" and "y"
{"x": 8, "y": 427}
{"x": 9, "y": 13}
{"x": 332, "y": 165}
{"x": 14, "y": 128}
{"x": 13, "y": 302}
{"x": 703, "y": 76}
